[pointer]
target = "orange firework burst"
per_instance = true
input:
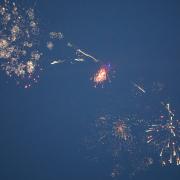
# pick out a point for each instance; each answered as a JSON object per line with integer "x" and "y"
{"x": 102, "y": 75}
{"x": 121, "y": 130}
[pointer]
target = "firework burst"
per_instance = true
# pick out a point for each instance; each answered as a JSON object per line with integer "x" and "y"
{"x": 121, "y": 130}
{"x": 102, "y": 75}
{"x": 19, "y": 52}
{"x": 166, "y": 136}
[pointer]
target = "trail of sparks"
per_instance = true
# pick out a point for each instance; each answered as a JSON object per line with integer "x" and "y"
{"x": 165, "y": 135}
{"x": 57, "y": 62}
{"x": 79, "y": 59}
{"x": 139, "y": 88}
{"x": 77, "y": 52}
{"x": 87, "y": 55}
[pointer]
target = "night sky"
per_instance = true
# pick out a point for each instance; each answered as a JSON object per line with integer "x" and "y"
{"x": 43, "y": 128}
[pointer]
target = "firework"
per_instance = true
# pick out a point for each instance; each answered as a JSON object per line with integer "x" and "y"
{"x": 113, "y": 130}
{"x": 19, "y": 52}
{"x": 78, "y": 55}
{"x": 102, "y": 75}
{"x": 166, "y": 136}
{"x": 117, "y": 137}
{"x": 121, "y": 130}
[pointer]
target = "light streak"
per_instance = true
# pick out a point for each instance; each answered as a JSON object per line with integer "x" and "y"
{"x": 57, "y": 62}
{"x": 87, "y": 55}
{"x": 139, "y": 88}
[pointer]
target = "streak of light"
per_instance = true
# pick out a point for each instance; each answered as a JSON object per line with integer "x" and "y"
{"x": 87, "y": 55}
{"x": 139, "y": 88}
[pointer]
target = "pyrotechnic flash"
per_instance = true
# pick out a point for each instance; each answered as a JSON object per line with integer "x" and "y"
{"x": 102, "y": 75}
{"x": 139, "y": 88}
{"x": 166, "y": 136}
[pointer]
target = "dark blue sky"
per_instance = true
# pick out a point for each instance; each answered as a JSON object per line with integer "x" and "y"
{"x": 42, "y": 129}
